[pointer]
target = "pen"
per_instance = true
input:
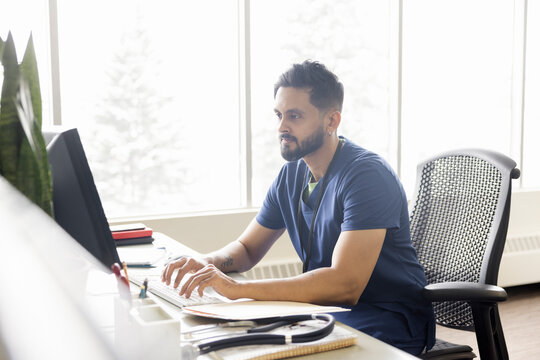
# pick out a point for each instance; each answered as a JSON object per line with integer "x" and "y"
{"x": 125, "y": 270}
{"x": 121, "y": 278}
{"x": 144, "y": 288}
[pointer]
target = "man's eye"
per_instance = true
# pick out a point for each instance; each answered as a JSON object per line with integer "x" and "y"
{"x": 294, "y": 116}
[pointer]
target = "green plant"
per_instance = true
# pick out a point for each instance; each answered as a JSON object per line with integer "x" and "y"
{"x": 23, "y": 156}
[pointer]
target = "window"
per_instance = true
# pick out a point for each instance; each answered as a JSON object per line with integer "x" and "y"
{"x": 153, "y": 88}
{"x": 456, "y": 78}
{"x": 352, "y": 38}
{"x": 157, "y": 88}
{"x": 16, "y": 18}
{"x": 531, "y": 130}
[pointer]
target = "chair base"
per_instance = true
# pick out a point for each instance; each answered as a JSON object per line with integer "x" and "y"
{"x": 444, "y": 350}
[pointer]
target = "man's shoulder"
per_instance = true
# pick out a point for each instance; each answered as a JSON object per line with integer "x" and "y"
{"x": 292, "y": 167}
{"x": 357, "y": 158}
{"x": 291, "y": 172}
{"x": 364, "y": 169}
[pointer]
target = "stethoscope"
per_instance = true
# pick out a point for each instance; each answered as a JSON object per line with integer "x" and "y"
{"x": 258, "y": 335}
{"x": 307, "y": 250}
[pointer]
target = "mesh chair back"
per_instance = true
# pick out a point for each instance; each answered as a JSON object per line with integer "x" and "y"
{"x": 459, "y": 222}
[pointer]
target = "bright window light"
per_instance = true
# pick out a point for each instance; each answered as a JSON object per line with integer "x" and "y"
{"x": 352, "y": 38}
{"x": 153, "y": 88}
{"x": 22, "y": 18}
{"x": 457, "y": 73}
{"x": 531, "y": 133}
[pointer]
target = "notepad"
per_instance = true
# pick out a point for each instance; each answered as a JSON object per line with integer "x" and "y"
{"x": 339, "y": 338}
{"x": 141, "y": 256}
{"x": 254, "y": 309}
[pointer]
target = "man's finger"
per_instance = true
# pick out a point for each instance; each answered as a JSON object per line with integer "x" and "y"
{"x": 194, "y": 281}
{"x": 170, "y": 268}
{"x": 190, "y": 265}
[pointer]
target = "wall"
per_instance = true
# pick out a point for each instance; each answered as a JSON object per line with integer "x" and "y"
{"x": 525, "y": 213}
{"x": 206, "y": 232}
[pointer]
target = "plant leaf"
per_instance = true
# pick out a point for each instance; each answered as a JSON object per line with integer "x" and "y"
{"x": 30, "y": 179}
{"x": 23, "y": 156}
{"x": 1, "y": 49}
{"x": 45, "y": 171}
{"x": 28, "y": 176}
{"x": 25, "y": 112}
{"x": 29, "y": 69}
{"x": 33, "y": 172}
{"x": 10, "y": 130}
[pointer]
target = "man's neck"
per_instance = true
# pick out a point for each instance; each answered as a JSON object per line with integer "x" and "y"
{"x": 319, "y": 160}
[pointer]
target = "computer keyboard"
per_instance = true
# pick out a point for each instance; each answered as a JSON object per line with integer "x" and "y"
{"x": 170, "y": 294}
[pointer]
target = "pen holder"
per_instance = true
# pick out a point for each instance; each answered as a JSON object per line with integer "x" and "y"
{"x": 145, "y": 330}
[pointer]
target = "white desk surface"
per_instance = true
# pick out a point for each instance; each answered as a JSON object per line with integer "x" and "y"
{"x": 366, "y": 347}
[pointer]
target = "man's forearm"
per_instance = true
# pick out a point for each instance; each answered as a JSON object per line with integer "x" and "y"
{"x": 232, "y": 257}
{"x": 353, "y": 260}
{"x": 323, "y": 286}
{"x": 247, "y": 250}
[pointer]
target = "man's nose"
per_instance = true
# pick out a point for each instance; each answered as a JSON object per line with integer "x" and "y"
{"x": 283, "y": 127}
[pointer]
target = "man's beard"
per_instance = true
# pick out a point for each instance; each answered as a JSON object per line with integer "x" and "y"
{"x": 310, "y": 144}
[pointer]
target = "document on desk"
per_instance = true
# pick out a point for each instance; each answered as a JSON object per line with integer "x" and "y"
{"x": 339, "y": 338}
{"x": 141, "y": 256}
{"x": 253, "y": 309}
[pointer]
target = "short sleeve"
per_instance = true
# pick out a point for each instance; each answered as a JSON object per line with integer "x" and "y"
{"x": 270, "y": 215}
{"x": 372, "y": 198}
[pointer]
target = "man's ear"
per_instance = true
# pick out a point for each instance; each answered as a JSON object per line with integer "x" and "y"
{"x": 334, "y": 119}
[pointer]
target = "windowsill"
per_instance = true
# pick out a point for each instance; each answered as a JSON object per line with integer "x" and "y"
{"x": 194, "y": 214}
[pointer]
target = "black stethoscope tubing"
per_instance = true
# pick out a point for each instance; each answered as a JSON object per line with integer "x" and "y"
{"x": 259, "y": 338}
{"x": 307, "y": 250}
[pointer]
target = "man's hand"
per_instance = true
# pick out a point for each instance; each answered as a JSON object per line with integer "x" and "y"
{"x": 184, "y": 265}
{"x": 210, "y": 276}
{"x": 209, "y": 270}
{"x": 203, "y": 275}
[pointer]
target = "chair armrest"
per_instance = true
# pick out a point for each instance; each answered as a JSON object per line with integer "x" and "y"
{"x": 464, "y": 291}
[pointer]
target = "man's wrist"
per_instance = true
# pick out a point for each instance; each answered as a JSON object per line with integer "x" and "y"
{"x": 225, "y": 263}
{"x": 208, "y": 259}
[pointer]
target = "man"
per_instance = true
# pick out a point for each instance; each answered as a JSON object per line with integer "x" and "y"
{"x": 346, "y": 214}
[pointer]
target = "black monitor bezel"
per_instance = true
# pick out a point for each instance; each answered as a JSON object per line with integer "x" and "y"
{"x": 102, "y": 245}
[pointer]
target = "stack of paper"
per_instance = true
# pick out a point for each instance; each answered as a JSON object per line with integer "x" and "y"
{"x": 254, "y": 309}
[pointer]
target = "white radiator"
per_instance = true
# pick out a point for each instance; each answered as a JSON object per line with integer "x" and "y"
{"x": 275, "y": 269}
{"x": 520, "y": 264}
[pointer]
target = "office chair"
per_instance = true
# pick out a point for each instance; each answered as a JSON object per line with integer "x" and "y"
{"x": 458, "y": 227}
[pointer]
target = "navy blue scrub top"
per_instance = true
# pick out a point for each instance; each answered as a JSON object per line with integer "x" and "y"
{"x": 362, "y": 192}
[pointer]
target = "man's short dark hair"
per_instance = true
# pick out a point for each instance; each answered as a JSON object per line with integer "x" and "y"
{"x": 325, "y": 89}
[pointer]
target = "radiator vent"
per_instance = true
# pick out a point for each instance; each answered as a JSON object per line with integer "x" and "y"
{"x": 520, "y": 263}
{"x": 522, "y": 243}
{"x": 275, "y": 270}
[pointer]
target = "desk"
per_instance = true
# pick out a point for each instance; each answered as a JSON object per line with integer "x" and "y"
{"x": 367, "y": 347}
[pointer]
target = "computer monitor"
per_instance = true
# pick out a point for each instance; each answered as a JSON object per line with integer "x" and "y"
{"x": 77, "y": 206}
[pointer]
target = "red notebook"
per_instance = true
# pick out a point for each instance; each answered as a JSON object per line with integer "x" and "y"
{"x": 130, "y": 234}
